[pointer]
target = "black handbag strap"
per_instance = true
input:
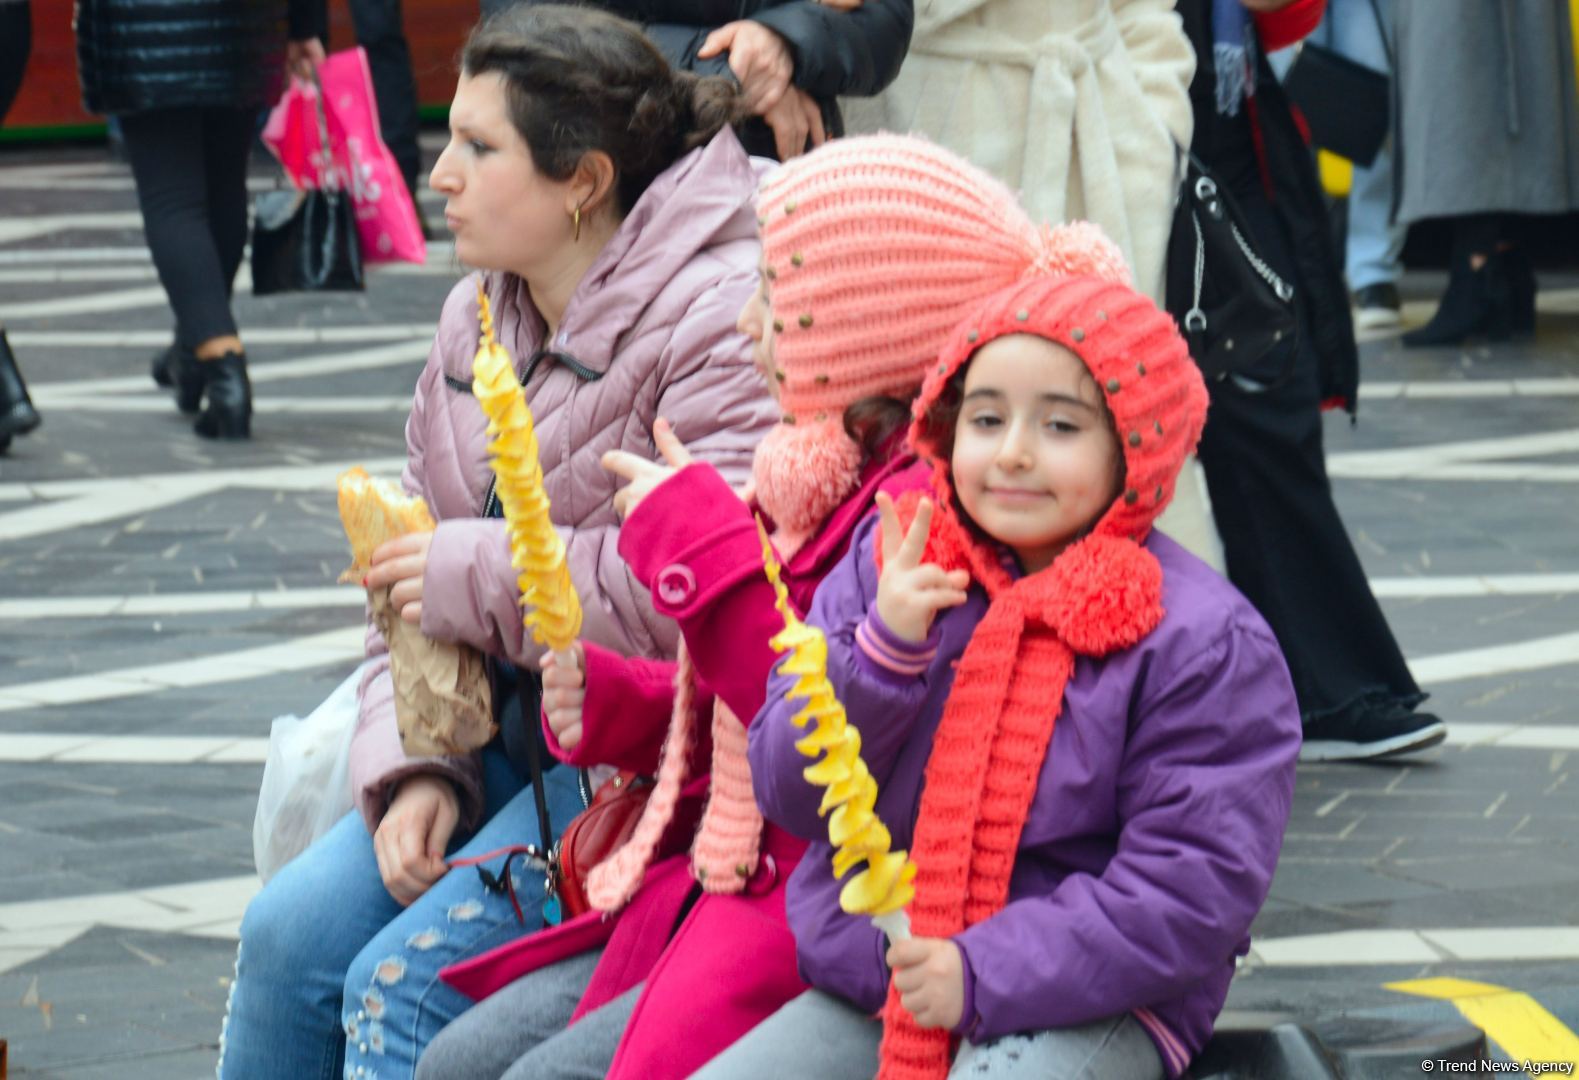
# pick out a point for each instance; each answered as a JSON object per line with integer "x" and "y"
{"x": 531, "y": 695}
{"x": 1381, "y": 32}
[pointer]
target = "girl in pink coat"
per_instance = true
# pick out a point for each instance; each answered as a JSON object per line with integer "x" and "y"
{"x": 876, "y": 248}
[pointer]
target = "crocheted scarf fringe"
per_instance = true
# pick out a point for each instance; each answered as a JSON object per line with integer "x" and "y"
{"x": 615, "y": 880}
{"x": 725, "y": 852}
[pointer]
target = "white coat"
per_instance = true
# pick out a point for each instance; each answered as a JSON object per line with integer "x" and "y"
{"x": 1076, "y": 104}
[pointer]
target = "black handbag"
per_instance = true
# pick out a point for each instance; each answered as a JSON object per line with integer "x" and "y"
{"x": 1233, "y": 309}
{"x": 1347, "y": 105}
{"x": 306, "y": 241}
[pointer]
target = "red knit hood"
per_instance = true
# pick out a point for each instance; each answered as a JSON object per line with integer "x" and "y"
{"x": 1153, "y": 389}
{"x": 1154, "y": 394}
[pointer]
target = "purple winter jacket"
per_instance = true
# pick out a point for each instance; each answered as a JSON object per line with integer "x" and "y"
{"x": 654, "y": 321}
{"x": 1150, "y": 843}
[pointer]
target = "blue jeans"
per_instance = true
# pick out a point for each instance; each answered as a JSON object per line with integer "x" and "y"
{"x": 334, "y": 978}
{"x": 1375, "y": 245}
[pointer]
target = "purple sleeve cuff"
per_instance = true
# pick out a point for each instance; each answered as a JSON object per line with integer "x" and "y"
{"x": 968, "y": 1020}
{"x": 887, "y": 655}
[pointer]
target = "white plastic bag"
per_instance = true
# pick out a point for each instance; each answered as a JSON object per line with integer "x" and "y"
{"x": 306, "y": 782}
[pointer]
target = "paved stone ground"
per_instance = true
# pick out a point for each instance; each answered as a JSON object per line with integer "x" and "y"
{"x": 163, "y": 598}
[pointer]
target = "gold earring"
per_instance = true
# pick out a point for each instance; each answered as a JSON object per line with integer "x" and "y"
{"x": 576, "y": 224}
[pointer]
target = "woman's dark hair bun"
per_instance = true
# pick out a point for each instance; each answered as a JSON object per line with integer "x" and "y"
{"x": 580, "y": 80}
{"x": 708, "y": 104}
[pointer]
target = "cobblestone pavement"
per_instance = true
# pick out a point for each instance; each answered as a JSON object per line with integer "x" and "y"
{"x": 163, "y": 598}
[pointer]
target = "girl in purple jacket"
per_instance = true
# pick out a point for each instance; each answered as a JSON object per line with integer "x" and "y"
{"x": 1084, "y": 736}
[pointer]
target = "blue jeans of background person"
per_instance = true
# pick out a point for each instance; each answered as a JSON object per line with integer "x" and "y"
{"x": 334, "y": 978}
{"x": 1375, "y": 244}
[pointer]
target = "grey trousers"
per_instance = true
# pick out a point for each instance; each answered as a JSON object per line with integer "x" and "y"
{"x": 818, "y": 1035}
{"x": 521, "y": 1033}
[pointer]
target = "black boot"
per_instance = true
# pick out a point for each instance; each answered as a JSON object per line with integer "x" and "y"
{"x": 1478, "y": 303}
{"x": 178, "y": 367}
{"x": 17, "y": 415}
{"x": 160, "y": 366}
{"x": 1521, "y": 292}
{"x": 229, "y": 411}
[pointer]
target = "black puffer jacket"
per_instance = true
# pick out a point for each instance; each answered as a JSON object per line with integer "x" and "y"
{"x": 139, "y": 55}
{"x": 836, "y": 53}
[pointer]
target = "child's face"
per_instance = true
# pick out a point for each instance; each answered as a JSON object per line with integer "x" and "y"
{"x": 1035, "y": 458}
{"x": 756, "y": 322}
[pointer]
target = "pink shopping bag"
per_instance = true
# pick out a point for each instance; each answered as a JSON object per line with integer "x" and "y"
{"x": 361, "y": 164}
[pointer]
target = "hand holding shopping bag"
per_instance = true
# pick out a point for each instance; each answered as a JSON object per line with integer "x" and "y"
{"x": 355, "y": 159}
{"x": 305, "y": 239}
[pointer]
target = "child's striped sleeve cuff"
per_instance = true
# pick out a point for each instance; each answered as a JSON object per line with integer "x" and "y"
{"x": 891, "y": 655}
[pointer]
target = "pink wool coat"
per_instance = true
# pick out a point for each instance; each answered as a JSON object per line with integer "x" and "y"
{"x": 651, "y": 329}
{"x": 695, "y": 545}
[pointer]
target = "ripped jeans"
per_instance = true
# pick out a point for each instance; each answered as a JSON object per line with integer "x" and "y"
{"x": 334, "y": 979}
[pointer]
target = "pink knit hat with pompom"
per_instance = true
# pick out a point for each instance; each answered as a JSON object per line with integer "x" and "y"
{"x": 875, "y": 248}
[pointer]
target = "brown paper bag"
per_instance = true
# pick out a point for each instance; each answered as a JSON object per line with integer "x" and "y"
{"x": 443, "y": 703}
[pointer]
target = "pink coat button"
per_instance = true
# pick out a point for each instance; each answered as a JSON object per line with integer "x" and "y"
{"x": 676, "y": 584}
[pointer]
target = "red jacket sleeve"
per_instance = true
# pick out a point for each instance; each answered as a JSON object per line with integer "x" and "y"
{"x": 626, "y": 712}
{"x": 1281, "y": 28}
{"x": 695, "y": 545}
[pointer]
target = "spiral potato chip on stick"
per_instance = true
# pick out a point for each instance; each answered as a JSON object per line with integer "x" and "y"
{"x": 886, "y": 886}
{"x": 553, "y": 615}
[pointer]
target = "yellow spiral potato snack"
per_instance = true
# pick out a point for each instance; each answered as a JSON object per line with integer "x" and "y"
{"x": 886, "y": 886}
{"x": 553, "y": 613}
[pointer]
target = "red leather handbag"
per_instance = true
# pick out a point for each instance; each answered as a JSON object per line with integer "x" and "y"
{"x": 595, "y": 834}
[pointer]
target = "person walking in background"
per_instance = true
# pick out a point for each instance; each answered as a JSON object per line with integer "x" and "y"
{"x": 186, "y": 79}
{"x": 792, "y": 58}
{"x": 1487, "y": 130}
{"x": 1286, "y": 546}
{"x": 17, "y": 415}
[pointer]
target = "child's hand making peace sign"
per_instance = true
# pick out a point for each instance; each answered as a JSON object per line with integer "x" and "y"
{"x": 910, "y": 592}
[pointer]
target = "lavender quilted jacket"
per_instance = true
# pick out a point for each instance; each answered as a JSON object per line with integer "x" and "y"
{"x": 649, "y": 332}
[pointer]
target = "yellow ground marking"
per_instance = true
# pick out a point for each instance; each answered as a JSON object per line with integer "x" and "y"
{"x": 1513, "y": 1020}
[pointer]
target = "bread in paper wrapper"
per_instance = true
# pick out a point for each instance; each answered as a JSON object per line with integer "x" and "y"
{"x": 374, "y": 511}
{"x": 443, "y": 704}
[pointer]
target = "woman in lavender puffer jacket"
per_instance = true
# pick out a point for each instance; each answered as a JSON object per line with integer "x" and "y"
{"x": 620, "y": 245}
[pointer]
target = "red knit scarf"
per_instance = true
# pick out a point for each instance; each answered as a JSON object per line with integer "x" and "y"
{"x": 1101, "y": 594}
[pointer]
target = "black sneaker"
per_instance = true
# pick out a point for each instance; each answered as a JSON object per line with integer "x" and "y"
{"x": 1370, "y": 732}
{"x": 1377, "y": 307}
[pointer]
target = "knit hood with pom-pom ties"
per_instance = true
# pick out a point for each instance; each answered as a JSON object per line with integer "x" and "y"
{"x": 1102, "y": 594}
